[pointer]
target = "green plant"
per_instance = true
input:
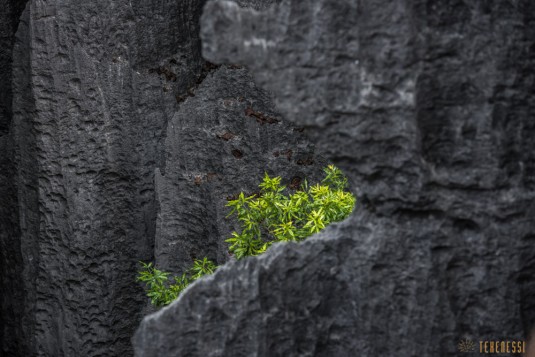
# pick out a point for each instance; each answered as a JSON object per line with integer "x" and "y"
{"x": 274, "y": 216}
{"x": 201, "y": 268}
{"x": 160, "y": 291}
{"x": 156, "y": 283}
{"x": 271, "y": 216}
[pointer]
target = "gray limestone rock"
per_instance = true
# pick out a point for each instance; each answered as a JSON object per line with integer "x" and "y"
{"x": 118, "y": 143}
{"x": 94, "y": 84}
{"x": 219, "y": 143}
{"x": 428, "y": 107}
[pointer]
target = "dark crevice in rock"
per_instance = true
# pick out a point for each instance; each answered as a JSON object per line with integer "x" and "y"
{"x": 261, "y": 118}
{"x": 13, "y": 317}
{"x": 207, "y": 69}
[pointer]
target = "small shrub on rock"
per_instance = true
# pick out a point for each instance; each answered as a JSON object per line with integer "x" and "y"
{"x": 273, "y": 215}
{"x": 160, "y": 291}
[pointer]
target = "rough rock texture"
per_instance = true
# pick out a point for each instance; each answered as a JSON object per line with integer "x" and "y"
{"x": 92, "y": 92}
{"x": 218, "y": 144}
{"x": 90, "y": 107}
{"x": 95, "y": 89}
{"x": 256, "y": 4}
{"x": 428, "y": 107}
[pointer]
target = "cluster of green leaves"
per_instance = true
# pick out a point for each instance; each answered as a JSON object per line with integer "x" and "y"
{"x": 161, "y": 291}
{"x": 271, "y": 216}
{"x": 274, "y": 216}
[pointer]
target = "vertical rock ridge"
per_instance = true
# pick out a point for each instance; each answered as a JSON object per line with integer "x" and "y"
{"x": 89, "y": 123}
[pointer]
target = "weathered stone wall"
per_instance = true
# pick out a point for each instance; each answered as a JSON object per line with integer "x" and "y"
{"x": 115, "y": 149}
{"x": 89, "y": 113}
{"x": 120, "y": 143}
{"x": 218, "y": 144}
{"x": 428, "y": 107}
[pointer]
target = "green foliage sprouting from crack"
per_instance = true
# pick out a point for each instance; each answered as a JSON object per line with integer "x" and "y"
{"x": 274, "y": 216}
{"x": 268, "y": 217}
{"x": 160, "y": 291}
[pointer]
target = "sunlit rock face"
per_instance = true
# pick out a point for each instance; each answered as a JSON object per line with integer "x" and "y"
{"x": 428, "y": 108}
{"x": 118, "y": 143}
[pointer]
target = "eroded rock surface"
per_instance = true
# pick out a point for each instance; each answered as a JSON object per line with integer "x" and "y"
{"x": 218, "y": 144}
{"x": 427, "y": 107}
{"x": 92, "y": 92}
{"x": 118, "y": 143}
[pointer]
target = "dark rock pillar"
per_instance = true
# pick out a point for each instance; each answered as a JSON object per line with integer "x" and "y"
{"x": 94, "y": 84}
{"x": 12, "y": 294}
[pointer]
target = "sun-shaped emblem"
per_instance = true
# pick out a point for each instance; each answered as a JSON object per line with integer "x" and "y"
{"x": 467, "y": 346}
